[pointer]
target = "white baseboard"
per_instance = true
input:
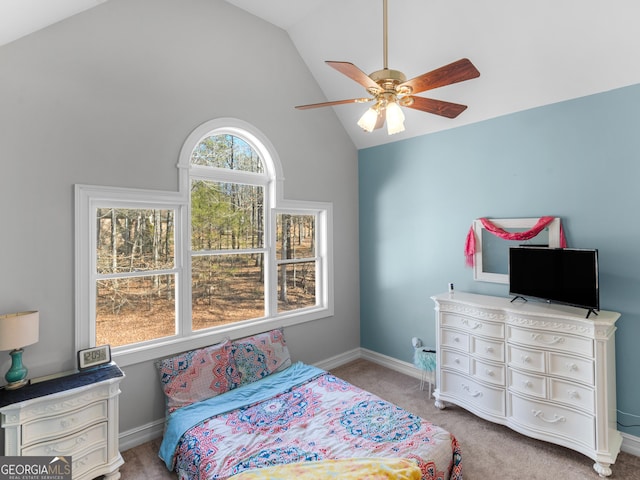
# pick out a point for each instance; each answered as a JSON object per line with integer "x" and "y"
{"x": 390, "y": 362}
{"x": 631, "y": 444}
{"x": 146, "y": 433}
{"x": 341, "y": 359}
{"x": 143, "y": 434}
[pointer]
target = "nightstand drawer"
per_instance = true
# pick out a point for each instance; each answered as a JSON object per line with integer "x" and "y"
{"x": 50, "y": 427}
{"x": 84, "y": 462}
{"x": 71, "y": 444}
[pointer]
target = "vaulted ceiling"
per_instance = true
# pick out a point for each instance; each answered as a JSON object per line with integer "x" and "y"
{"x": 528, "y": 53}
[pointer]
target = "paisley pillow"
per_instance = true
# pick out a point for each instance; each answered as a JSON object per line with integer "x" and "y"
{"x": 198, "y": 374}
{"x": 260, "y": 355}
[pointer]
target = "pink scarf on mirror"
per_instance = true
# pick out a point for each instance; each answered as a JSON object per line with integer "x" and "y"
{"x": 470, "y": 243}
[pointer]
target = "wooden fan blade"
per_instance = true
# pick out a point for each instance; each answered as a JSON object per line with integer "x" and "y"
{"x": 354, "y": 73}
{"x": 437, "y": 107}
{"x": 336, "y": 102}
{"x": 455, "y": 72}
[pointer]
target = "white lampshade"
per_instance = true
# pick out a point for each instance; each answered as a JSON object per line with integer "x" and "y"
{"x": 368, "y": 121}
{"x": 395, "y": 118}
{"x": 18, "y": 330}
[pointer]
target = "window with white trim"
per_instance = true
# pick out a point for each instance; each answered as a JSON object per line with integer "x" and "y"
{"x": 159, "y": 272}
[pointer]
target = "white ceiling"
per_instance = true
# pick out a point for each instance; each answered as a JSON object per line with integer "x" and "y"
{"x": 528, "y": 53}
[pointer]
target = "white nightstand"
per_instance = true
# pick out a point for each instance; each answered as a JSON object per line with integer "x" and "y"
{"x": 75, "y": 415}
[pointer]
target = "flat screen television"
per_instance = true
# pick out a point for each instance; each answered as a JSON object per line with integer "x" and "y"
{"x": 561, "y": 275}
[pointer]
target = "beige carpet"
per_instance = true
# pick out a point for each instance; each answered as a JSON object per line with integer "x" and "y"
{"x": 489, "y": 451}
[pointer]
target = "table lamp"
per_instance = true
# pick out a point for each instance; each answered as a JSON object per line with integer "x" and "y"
{"x": 17, "y": 330}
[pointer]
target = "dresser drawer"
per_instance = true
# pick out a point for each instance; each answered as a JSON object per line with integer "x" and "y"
{"x": 473, "y": 325}
{"x": 551, "y": 341}
{"x": 454, "y": 339}
{"x": 527, "y": 383}
{"x": 571, "y": 367}
{"x": 472, "y": 393}
{"x": 532, "y": 360}
{"x": 488, "y": 349}
{"x": 489, "y": 372}
{"x": 69, "y": 422}
{"x": 455, "y": 360}
{"x": 572, "y": 394}
{"x": 71, "y": 444}
{"x": 553, "y": 420}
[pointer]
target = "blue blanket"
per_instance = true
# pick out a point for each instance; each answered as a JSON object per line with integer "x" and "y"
{"x": 187, "y": 417}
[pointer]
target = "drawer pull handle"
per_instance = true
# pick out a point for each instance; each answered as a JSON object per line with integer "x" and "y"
{"x": 489, "y": 349}
{"x": 540, "y": 415}
{"x": 477, "y": 393}
{"x": 61, "y": 448}
{"x": 457, "y": 360}
{"x": 525, "y": 359}
{"x": 572, "y": 367}
{"x": 490, "y": 373}
{"x": 475, "y": 326}
{"x": 573, "y": 394}
{"x": 527, "y": 383}
{"x": 67, "y": 423}
{"x": 456, "y": 339}
{"x": 540, "y": 338}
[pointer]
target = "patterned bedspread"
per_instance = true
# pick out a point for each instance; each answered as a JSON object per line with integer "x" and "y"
{"x": 317, "y": 418}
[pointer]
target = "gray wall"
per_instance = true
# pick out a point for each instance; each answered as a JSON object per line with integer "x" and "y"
{"x": 107, "y": 98}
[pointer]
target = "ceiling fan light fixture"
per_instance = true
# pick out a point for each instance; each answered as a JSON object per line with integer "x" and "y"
{"x": 369, "y": 119}
{"x": 395, "y": 118}
{"x": 391, "y": 90}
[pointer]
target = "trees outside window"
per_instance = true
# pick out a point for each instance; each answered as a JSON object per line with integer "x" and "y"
{"x": 161, "y": 272}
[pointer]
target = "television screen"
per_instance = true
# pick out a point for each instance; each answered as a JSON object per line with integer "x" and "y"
{"x": 562, "y": 275}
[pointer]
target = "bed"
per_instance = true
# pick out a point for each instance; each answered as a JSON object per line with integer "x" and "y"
{"x": 243, "y": 409}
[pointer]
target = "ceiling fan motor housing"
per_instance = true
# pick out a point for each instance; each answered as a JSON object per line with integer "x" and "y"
{"x": 389, "y": 79}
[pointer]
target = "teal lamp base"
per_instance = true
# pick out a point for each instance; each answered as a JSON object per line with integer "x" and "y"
{"x": 16, "y": 377}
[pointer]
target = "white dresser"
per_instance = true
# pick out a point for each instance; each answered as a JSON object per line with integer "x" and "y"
{"x": 75, "y": 415}
{"x": 544, "y": 370}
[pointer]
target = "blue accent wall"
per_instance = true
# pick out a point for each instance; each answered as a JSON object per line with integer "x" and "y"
{"x": 578, "y": 160}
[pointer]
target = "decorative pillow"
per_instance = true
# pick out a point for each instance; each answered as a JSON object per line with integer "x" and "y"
{"x": 260, "y": 355}
{"x": 198, "y": 374}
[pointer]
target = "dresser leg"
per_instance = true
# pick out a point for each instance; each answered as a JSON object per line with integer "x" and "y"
{"x": 113, "y": 475}
{"x": 438, "y": 403}
{"x": 603, "y": 469}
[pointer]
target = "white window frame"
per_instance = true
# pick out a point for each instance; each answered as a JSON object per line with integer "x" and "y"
{"x": 89, "y": 198}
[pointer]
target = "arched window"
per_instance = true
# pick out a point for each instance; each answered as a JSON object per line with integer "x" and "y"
{"x": 225, "y": 256}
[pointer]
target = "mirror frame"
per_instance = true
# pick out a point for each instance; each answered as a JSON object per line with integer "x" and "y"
{"x": 505, "y": 223}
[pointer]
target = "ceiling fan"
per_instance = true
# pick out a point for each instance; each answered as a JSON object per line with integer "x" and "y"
{"x": 390, "y": 90}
